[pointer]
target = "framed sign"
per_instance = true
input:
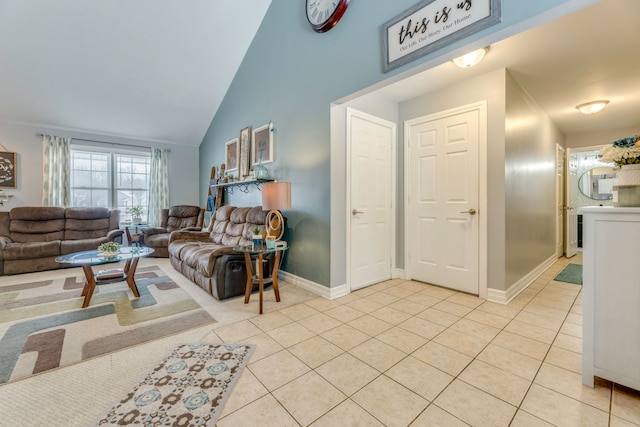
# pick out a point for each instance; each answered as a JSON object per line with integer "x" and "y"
{"x": 8, "y": 171}
{"x": 433, "y": 24}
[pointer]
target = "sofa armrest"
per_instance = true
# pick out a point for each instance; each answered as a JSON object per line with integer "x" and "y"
{"x": 114, "y": 234}
{"x": 4, "y": 241}
{"x": 194, "y": 236}
{"x": 148, "y": 231}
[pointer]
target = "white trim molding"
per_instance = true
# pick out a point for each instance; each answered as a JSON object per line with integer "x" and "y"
{"x": 313, "y": 287}
{"x": 504, "y": 297}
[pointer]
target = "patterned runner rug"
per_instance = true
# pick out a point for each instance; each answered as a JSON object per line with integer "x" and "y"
{"x": 189, "y": 388}
{"x": 42, "y": 324}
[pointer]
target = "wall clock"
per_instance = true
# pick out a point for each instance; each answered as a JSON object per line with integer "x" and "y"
{"x": 323, "y": 15}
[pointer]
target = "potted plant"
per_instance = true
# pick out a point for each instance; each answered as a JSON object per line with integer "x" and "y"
{"x": 257, "y": 236}
{"x": 109, "y": 249}
{"x": 136, "y": 213}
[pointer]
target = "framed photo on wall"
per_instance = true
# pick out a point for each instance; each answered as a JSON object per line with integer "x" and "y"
{"x": 8, "y": 170}
{"x": 245, "y": 146}
{"x": 262, "y": 145}
{"x": 231, "y": 155}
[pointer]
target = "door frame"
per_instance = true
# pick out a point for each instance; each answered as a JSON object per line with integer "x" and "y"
{"x": 350, "y": 113}
{"x": 561, "y": 188}
{"x": 482, "y": 216}
{"x": 569, "y": 190}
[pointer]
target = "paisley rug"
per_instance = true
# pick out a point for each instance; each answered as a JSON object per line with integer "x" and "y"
{"x": 42, "y": 324}
{"x": 189, "y": 388}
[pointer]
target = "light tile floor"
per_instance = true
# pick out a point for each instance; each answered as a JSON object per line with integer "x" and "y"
{"x": 403, "y": 353}
{"x": 397, "y": 353}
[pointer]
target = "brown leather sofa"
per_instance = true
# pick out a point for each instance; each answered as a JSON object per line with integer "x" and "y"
{"x": 181, "y": 217}
{"x": 32, "y": 237}
{"x": 207, "y": 258}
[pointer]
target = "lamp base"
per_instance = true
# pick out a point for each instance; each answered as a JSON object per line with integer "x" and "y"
{"x": 274, "y": 224}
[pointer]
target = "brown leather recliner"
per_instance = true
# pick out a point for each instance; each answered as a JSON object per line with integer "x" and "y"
{"x": 180, "y": 217}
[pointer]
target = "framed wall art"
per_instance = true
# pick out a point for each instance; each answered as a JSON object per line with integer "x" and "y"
{"x": 231, "y": 155}
{"x": 245, "y": 147}
{"x": 8, "y": 170}
{"x": 262, "y": 145}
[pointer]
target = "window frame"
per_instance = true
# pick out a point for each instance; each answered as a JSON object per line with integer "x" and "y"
{"x": 115, "y": 177}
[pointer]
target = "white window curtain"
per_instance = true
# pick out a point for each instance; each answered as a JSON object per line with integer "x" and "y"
{"x": 56, "y": 176}
{"x": 158, "y": 184}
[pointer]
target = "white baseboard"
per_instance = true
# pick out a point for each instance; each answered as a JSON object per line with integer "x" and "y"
{"x": 313, "y": 287}
{"x": 503, "y": 297}
{"x": 398, "y": 273}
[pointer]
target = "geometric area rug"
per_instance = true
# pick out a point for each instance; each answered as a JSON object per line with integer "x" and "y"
{"x": 43, "y": 325}
{"x": 189, "y": 388}
{"x": 572, "y": 273}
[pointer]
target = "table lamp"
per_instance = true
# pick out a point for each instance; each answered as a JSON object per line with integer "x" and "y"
{"x": 276, "y": 196}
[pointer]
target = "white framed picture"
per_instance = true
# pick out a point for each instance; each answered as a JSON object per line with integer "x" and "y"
{"x": 231, "y": 155}
{"x": 262, "y": 145}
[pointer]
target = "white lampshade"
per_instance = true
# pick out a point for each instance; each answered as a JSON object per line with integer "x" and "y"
{"x": 592, "y": 107}
{"x": 471, "y": 58}
{"x": 276, "y": 195}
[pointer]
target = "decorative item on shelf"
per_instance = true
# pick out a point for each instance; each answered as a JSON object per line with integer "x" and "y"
{"x": 136, "y": 214}
{"x": 4, "y": 198}
{"x": 270, "y": 242}
{"x": 261, "y": 172}
{"x": 257, "y": 237}
{"x": 276, "y": 196}
{"x": 109, "y": 249}
{"x": 625, "y": 153}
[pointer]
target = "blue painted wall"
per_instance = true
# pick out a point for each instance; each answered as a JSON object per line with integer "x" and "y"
{"x": 291, "y": 75}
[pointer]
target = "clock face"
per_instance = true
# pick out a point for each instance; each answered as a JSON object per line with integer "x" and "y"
{"x": 325, "y": 14}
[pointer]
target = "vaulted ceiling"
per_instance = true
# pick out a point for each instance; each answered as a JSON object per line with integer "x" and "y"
{"x": 158, "y": 70}
{"x": 150, "y": 69}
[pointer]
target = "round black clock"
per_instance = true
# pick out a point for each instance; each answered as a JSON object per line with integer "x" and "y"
{"x": 323, "y": 15}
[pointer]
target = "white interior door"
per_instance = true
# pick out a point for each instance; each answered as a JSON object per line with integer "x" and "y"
{"x": 571, "y": 212}
{"x": 560, "y": 167}
{"x": 443, "y": 233}
{"x": 371, "y": 141}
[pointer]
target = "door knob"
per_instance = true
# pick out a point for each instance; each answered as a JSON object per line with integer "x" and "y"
{"x": 356, "y": 212}
{"x": 470, "y": 211}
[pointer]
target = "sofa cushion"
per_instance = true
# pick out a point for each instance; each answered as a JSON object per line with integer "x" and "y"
{"x": 31, "y": 250}
{"x": 70, "y": 246}
{"x": 220, "y": 222}
{"x": 200, "y": 256}
{"x": 86, "y": 223}
{"x": 235, "y": 228}
{"x": 256, "y": 217}
{"x": 36, "y": 224}
{"x": 182, "y": 217}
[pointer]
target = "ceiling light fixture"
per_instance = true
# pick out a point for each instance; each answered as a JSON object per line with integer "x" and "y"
{"x": 592, "y": 107}
{"x": 471, "y": 58}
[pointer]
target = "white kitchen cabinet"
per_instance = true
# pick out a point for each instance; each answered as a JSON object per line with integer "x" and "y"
{"x": 611, "y": 295}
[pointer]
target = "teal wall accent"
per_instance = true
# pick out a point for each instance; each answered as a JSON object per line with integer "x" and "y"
{"x": 291, "y": 75}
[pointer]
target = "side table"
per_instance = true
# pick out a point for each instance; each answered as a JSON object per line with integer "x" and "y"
{"x": 259, "y": 275}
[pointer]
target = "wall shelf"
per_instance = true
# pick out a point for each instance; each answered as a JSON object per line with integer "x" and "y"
{"x": 243, "y": 186}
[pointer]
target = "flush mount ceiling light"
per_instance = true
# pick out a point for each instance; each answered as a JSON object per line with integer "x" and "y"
{"x": 592, "y": 107}
{"x": 471, "y": 58}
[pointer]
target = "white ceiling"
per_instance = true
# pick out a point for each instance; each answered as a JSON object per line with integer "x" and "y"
{"x": 158, "y": 69}
{"x": 149, "y": 69}
{"x": 591, "y": 54}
